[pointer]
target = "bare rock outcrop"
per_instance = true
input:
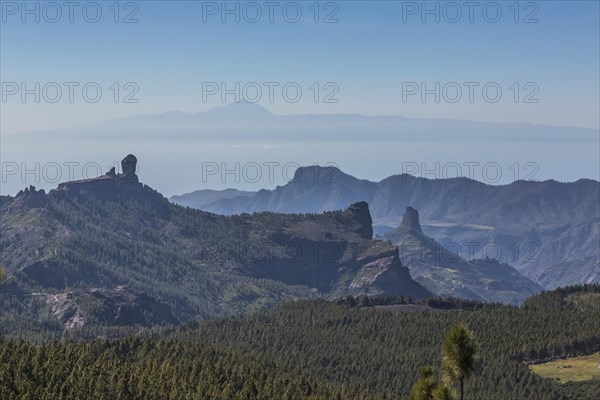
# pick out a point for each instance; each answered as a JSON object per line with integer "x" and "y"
{"x": 32, "y": 198}
{"x": 118, "y": 306}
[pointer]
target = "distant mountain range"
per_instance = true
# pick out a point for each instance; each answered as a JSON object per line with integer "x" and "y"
{"x": 372, "y": 146}
{"x": 247, "y": 120}
{"x": 203, "y": 197}
{"x": 544, "y": 229}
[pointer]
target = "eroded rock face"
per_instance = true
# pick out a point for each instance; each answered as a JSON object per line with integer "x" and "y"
{"x": 334, "y": 253}
{"x": 119, "y": 306}
{"x": 410, "y": 219}
{"x": 383, "y": 272}
{"x": 31, "y": 197}
{"x": 128, "y": 166}
{"x": 360, "y": 214}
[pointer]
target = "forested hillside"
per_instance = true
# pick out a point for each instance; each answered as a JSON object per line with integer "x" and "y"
{"x": 316, "y": 350}
{"x": 113, "y": 252}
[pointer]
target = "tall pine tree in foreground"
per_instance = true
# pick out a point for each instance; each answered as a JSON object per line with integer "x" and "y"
{"x": 459, "y": 353}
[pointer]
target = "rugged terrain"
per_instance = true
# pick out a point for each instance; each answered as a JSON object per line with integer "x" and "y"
{"x": 448, "y": 274}
{"x": 544, "y": 229}
{"x": 70, "y": 252}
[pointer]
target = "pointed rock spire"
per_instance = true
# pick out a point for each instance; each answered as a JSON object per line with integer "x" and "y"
{"x": 411, "y": 219}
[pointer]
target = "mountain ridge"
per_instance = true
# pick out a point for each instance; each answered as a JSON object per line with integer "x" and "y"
{"x": 91, "y": 237}
{"x": 536, "y": 225}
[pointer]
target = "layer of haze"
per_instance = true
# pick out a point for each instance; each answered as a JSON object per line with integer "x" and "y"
{"x": 372, "y": 49}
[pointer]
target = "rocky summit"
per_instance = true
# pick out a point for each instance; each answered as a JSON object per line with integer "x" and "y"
{"x": 109, "y": 181}
{"x": 410, "y": 219}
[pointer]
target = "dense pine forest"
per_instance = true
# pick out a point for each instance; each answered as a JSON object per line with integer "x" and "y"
{"x": 315, "y": 349}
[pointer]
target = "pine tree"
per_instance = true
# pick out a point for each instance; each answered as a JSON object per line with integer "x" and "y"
{"x": 459, "y": 353}
{"x": 424, "y": 386}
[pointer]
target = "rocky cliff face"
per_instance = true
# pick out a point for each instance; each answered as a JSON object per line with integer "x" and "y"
{"x": 360, "y": 214}
{"x": 384, "y": 272}
{"x": 333, "y": 253}
{"x": 118, "y": 306}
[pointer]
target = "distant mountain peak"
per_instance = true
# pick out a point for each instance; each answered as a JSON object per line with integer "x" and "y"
{"x": 410, "y": 219}
{"x": 242, "y": 107}
{"x": 318, "y": 174}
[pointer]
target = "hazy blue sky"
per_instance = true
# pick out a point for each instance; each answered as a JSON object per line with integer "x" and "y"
{"x": 372, "y": 49}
